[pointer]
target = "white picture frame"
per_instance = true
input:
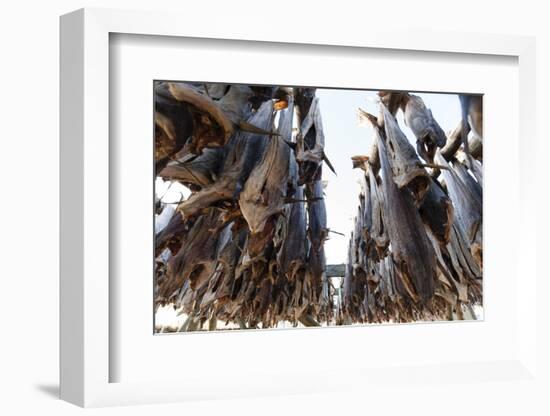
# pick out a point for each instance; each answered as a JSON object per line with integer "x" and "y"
{"x": 85, "y": 353}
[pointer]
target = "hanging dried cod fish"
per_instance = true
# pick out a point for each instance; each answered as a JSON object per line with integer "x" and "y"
{"x": 372, "y": 158}
{"x": 429, "y": 135}
{"x": 220, "y": 284}
{"x": 293, "y": 237}
{"x": 196, "y": 258}
{"x": 406, "y": 167}
{"x": 468, "y": 204}
{"x": 171, "y": 236}
{"x": 310, "y": 143}
{"x": 292, "y": 225}
{"x": 412, "y": 251}
{"x": 211, "y": 127}
{"x": 236, "y": 104}
{"x": 454, "y": 140}
{"x": 378, "y": 231}
{"x": 472, "y": 113}
{"x": 173, "y": 126}
{"x": 474, "y": 184}
{"x": 394, "y": 100}
{"x": 360, "y": 270}
{"x": 317, "y": 229}
{"x": 264, "y": 192}
{"x": 436, "y": 212}
{"x": 365, "y": 202}
{"x": 309, "y": 156}
{"x": 244, "y": 152}
{"x": 347, "y": 289}
{"x": 195, "y": 171}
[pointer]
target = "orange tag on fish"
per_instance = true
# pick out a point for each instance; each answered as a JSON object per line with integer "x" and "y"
{"x": 280, "y": 105}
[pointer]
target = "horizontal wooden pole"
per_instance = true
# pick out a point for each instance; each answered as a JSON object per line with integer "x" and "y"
{"x": 335, "y": 270}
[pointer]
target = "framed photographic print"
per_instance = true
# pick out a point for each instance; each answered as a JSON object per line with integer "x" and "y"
{"x": 287, "y": 213}
{"x": 261, "y": 221}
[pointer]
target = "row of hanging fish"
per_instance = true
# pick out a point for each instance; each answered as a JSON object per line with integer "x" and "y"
{"x": 247, "y": 246}
{"x": 416, "y": 251}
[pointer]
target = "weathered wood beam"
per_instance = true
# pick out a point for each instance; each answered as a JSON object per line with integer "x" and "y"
{"x": 336, "y": 270}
